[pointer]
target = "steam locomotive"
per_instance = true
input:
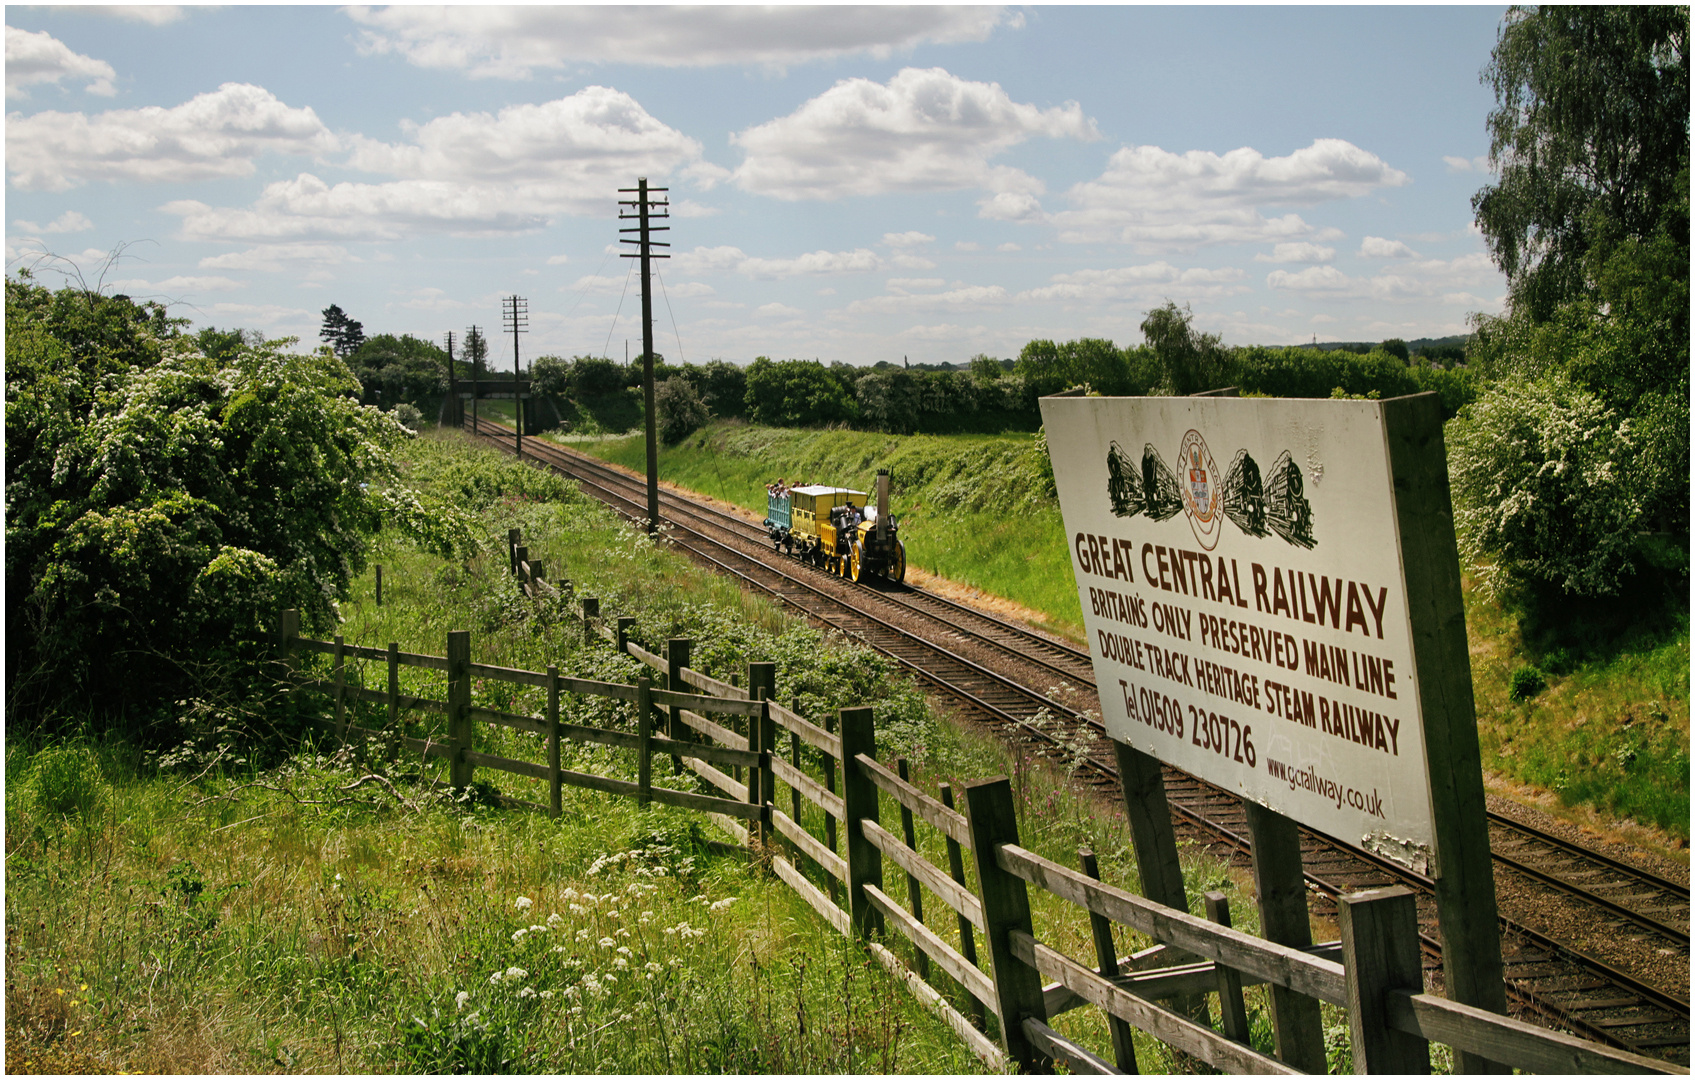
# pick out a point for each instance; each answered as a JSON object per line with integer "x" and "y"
{"x": 834, "y": 528}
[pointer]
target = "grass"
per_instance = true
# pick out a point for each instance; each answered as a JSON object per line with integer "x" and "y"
{"x": 1610, "y": 733}
{"x": 1609, "y": 730}
{"x": 199, "y": 910}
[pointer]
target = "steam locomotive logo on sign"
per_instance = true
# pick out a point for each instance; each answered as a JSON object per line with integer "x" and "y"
{"x": 1258, "y": 505}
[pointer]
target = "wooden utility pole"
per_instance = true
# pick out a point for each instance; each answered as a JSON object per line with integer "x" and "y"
{"x": 642, "y": 209}
{"x": 515, "y": 315}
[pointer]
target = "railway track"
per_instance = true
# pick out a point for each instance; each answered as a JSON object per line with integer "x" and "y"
{"x": 1041, "y": 689}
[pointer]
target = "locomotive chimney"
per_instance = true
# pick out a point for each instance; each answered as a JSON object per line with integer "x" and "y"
{"x": 882, "y": 506}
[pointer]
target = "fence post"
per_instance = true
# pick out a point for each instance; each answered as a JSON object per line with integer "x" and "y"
{"x": 914, "y": 895}
{"x": 644, "y": 734}
{"x": 459, "y": 707}
{"x": 1296, "y": 1026}
{"x": 512, "y": 538}
{"x": 967, "y": 932}
{"x": 554, "y": 782}
{"x": 829, "y": 818}
{"x": 338, "y": 672}
{"x": 624, "y": 624}
{"x": 677, "y": 652}
{"x": 520, "y": 569}
{"x": 288, "y": 632}
{"x": 1006, "y": 907}
{"x": 393, "y": 700}
{"x": 1106, "y": 955}
{"x": 1379, "y": 954}
{"x": 591, "y": 612}
{"x": 762, "y": 738}
{"x": 379, "y": 584}
{"x": 859, "y": 800}
{"x": 1231, "y": 1008}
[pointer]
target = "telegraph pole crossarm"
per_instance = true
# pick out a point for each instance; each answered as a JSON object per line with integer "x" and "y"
{"x": 643, "y": 209}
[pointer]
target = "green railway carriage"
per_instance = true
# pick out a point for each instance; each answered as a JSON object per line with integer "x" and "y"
{"x": 834, "y": 528}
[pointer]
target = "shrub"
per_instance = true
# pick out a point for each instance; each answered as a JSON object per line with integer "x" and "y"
{"x": 68, "y": 781}
{"x": 680, "y": 409}
{"x": 1541, "y": 489}
{"x": 1526, "y": 682}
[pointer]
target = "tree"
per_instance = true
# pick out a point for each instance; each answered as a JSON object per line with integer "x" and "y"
{"x": 161, "y": 514}
{"x": 680, "y": 409}
{"x": 341, "y": 333}
{"x": 1541, "y": 501}
{"x": 1590, "y": 135}
{"x": 1191, "y": 361}
{"x": 796, "y": 393}
{"x": 475, "y": 349}
{"x": 393, "y": 369}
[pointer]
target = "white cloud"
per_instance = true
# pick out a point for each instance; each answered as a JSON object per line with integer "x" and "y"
{"x": 1464, "y": 165}
{"x": 1009, "y": 246}
{"x": 306, "y": 207}
{"x": 597, "y": 137}
{"x": 1452, "y": 281}
{"x": 911, "y": 262}
{"x": 1298, "y": 252}
{"x": 174, "y": 285}
{"x": 1160, "y": 200}
{"x": 910, "y": 284}
{"x": 967, "y": 245}
{"x": 925, "y": 130}
{"x": 688, "y": 208}
{"x": 965, "y": 299}
{"x": 214, "y": 135}
{"x": 558, "y": 260}
{"x": 270, "y": 257}
{"x": 33, "y": 58}
{"x": 1148, "y": 281}
{"x": 69, "y": 221}
{"x": 471, "y": 174}
{"x": 1376, "y": 247}
{"x": 151, "y": 14}
{"x": 733, "y": 259}
{"x": 686, "y": 290}
{"x": 910, "y": 238}
{"x": 512, "y": 42}
{"x": 782, "y": 310}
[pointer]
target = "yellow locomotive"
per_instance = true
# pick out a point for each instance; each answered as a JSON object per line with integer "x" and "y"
{"x": 834, "y": 528}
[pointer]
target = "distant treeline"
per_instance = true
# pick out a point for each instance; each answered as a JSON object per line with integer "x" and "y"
{"x": 981, "y": 395}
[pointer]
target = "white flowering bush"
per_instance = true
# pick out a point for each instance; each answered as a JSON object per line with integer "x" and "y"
{"x": 1544, "y": 494}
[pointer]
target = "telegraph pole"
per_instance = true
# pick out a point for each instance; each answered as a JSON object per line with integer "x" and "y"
{"x": 474, "y": 338}
{"x": 641, "y": 210}
{"x": 515, "y": 315}
{"x": 451, "y": 405}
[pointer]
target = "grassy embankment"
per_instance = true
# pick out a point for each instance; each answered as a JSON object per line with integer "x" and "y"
{"x": 202, "y": 910}
{"x": 1610, "y": 732}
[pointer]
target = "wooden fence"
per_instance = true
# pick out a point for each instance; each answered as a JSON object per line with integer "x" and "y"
{"x": 830, "y": 827}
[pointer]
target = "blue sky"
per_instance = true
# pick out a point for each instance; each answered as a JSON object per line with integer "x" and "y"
{"x": 846, "y": 183}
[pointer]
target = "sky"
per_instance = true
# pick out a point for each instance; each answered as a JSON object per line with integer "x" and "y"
{"x": 846, "y": 184}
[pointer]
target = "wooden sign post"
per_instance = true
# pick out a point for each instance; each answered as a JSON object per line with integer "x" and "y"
{"x": 1271, "y": 590}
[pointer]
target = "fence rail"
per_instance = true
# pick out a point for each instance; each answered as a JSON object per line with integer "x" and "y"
{"x": 830, "y": 844}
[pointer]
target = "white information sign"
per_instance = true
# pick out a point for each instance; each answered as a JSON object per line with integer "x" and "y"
{"x": 1239, "y": 567}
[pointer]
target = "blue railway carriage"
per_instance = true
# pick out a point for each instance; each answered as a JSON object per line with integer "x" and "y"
{"x": 833, "y": 528}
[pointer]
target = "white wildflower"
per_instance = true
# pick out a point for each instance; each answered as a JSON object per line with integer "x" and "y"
{"x": 607, "y": 943}
{"x": 527, "y": 992}
{"x": 621, "y": 964}
{"x": 537, "y": 928}
{"x": 522, "y": 903}
{"x": 555, "y": 919}
{"x": 720, "y": 905}
{"x": 653, "y": 967}
{"x": 570, "y": 894}
{"x": 518, "y": 935}
{"x": 460, "y": 999}
{"x": 620, "y": 932}
{"x": 624, "y": 950}
{"x": 516, "y": 973}
{"x": 547, "y": 995}
{"x": 560, "y": 948}
{"x": 494, "y": 980}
